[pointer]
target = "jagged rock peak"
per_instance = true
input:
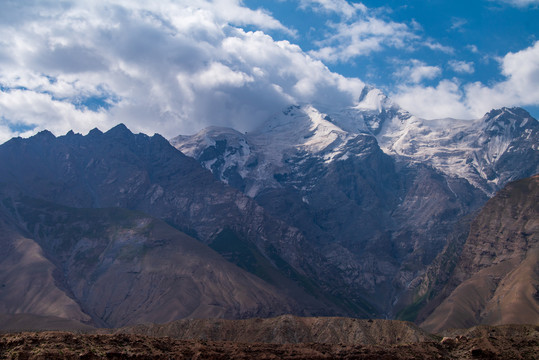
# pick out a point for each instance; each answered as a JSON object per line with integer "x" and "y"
{"x": 157, "y": 139}
{"x": 71, "y": 135}
{"x": 44, "y": 134}
{"x": 509, "y": 121}
{"x": 364, "y": 92}
{"x": 505, "y": 114}
{"x": 120, "y": 131}
{"x": 95, "y": 132}
{"x": 291, "y": 110}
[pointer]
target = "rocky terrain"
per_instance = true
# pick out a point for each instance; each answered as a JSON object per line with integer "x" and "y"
{"x": 509, "y": 342}
{"x": 289, "y": 329}
{"x": 496, "y": 280}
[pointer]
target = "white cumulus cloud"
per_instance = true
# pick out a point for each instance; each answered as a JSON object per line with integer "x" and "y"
{"x": 430, "y": 102}
{"x": 520, "y": 3}
{"x": 362, "y": 31}
{"x": 462, "y": 67}
{"x": 520, "y": 87}
{"x": 451, "y": 98}
{"x": 342, "y": 7}
{"x": 169, "y": 66}
{"x": 362, "y": 37}
{"x": 418, "y": 71}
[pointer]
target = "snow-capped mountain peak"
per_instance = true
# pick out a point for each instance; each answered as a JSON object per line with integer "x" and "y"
{"x": 301, "y": 128}
{"x": 372, "y": 99}
{"x": 250, "y": 161}
{"x": 470, "y": 149}
{"x": 368, "y": 178}
{"x": 476, "y": 150}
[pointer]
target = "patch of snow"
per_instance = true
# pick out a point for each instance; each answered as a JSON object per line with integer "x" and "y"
{"x": 208, "y": 164}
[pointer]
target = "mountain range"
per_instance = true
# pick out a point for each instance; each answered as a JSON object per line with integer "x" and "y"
{"x": 366, "y": 212}
{"x": 378, "y": 191}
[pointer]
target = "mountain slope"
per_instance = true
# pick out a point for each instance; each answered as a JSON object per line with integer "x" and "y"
{"x": 350, "y": 212}
{"x": 27, "y": 279}
{"x": 120, "y": 169}
{"x": 378, "y": 219}
{"x": 157, "y": 273}
{"x": 497, "y": 278}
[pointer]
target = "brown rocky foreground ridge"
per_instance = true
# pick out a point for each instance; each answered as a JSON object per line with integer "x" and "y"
{"x": 485, "y": 342}
{"x": 284, "y": 337}
{"x": 289, "y": 329}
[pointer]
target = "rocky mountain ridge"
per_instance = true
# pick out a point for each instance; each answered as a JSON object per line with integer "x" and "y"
{"x": 112, "y": 267}
{"x": 476, "y": 150}
{"x": 483, "y": 151}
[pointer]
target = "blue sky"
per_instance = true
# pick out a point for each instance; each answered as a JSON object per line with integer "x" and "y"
{"x": 461, "y": 41}
{"x": 176, "y": 66}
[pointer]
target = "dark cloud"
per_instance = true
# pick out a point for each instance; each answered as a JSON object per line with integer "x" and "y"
{"x": 69, "y": 59}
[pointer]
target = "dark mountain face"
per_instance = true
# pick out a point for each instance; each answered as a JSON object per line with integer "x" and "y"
{"x": 112, "y": 267}
{"x": 379, "y": 221}
{"x": 122, "y": 170}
